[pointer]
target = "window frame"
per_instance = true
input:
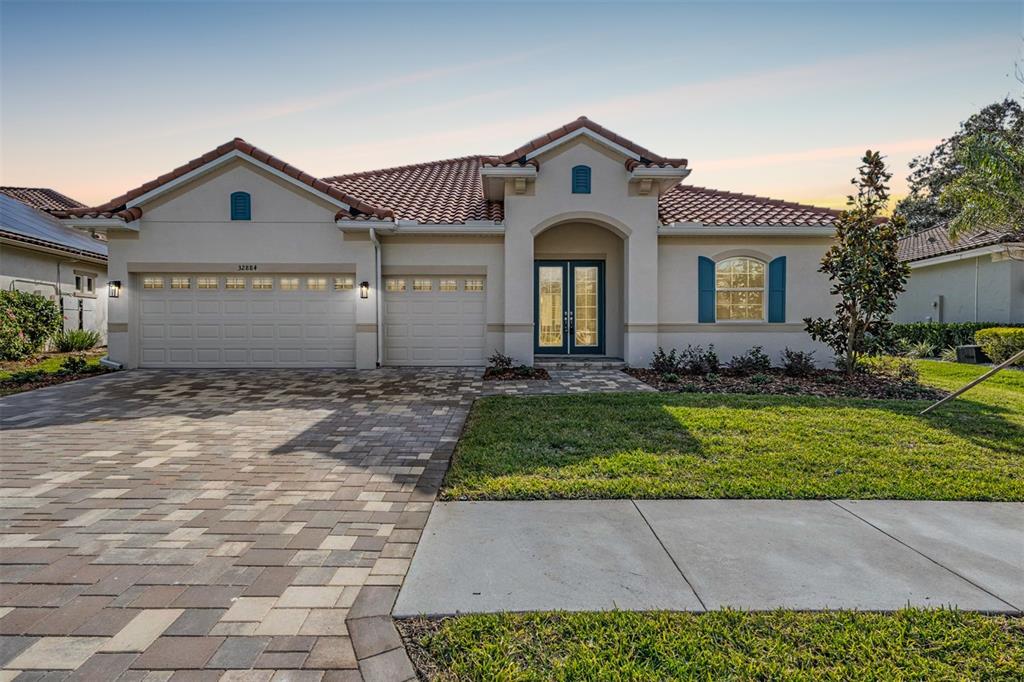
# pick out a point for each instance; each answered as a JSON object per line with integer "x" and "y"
{"x": 85, "y": 284}
{"x": 474, "y": 290}
{"x": 763, "y": 289}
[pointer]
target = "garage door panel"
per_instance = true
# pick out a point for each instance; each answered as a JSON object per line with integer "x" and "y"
{"x": 433, "y": 327}
{"x": 247, "y": 327}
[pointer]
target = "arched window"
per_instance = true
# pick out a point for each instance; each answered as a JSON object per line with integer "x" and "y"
{"x": 241, "y": 206}
{"x": 739, "y": 289}
{"x": 581, "y": 180}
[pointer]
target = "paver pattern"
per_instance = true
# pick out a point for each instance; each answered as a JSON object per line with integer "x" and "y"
{"x": 233, "y": 525}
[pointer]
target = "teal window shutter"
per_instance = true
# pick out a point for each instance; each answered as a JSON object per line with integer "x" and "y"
{"x": 705, "y": 289}
{"x": 581, "y": 180}
{"x": 241, "y": 206}
{"x": 777, "y": 290}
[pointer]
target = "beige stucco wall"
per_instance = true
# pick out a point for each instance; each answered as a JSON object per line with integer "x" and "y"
{"x": 610, "y": 204}
{"x": 191, "y": 227}
{"x": 806, "y": 295}
{"x": 974, "y": 289}
{"x": 53, "y": 276}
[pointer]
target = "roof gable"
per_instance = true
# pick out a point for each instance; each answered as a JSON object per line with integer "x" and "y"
{"x": 126, "y": 206}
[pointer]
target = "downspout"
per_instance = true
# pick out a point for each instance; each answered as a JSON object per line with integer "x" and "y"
{"x": 378, "y": 299}
{"x": 977, "y": 267}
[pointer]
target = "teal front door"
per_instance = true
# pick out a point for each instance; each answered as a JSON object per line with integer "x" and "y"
{"x": 569, "y": 307}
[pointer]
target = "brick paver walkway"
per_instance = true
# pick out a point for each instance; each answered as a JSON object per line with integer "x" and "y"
{"x": 250, "y": 525}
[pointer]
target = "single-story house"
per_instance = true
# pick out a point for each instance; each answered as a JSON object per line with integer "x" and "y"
{"x": 579, "y": 242}
{"x": 39, "y": 254}
{"x": 977, "y": 278}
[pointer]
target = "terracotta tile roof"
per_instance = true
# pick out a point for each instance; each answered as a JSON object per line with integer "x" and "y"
{"x": 690, "y": 204}
{"x": 446, "y": 192}
{"x": 646, "y": 155}
{"x": 43, "y": 198}
{"x": 935, "y": 241}
{"x": 117, "y": 205}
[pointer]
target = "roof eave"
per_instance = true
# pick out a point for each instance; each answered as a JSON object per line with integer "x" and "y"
{"x": 692, "y": 229}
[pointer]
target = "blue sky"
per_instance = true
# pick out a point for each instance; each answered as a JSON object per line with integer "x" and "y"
{"x": 768, "y": 98}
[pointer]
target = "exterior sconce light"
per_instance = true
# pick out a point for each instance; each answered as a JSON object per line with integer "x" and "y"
{"x": 114, "y": 288}
{"x": 364, "y": 290}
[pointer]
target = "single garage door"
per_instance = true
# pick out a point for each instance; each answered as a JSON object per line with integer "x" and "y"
{"x": 434, "y": 320}
{"x": 209, "y": 320}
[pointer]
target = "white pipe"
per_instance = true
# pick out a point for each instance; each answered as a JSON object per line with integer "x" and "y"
{"x": 977, "y": 267}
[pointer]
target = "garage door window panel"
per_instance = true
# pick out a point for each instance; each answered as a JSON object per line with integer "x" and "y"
{"x": 153, "y": 283}
{"x": 262, "y": 283}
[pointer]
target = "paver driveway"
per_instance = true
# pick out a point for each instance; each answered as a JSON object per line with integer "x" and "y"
{"x": 211, "y": 523}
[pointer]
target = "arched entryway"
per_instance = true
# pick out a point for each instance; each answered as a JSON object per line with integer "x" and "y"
{"x": 579, "y": 268}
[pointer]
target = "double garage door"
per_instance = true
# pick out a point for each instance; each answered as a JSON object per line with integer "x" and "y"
{"x": 305, "y": 320}
{"x": 209, "y": 320}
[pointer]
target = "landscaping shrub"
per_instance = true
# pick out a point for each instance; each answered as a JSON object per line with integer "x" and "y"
{"x": 695, "y": 360}
{"x": 670, "y": 378}
{"x": 501, "y": 362}
{"x": 754, "y": 361}
{"x": 948, "y": 354}
{"x": 26, "y": 322}
{"x": 890, "y": 367}
{"x": 73, "y": 364}
{"x": 665, "y": 363}
{"x": 76, "y": 340}
{"x": 920, "y": 349}
{"x": 938, "y": 334}
{"x": 1000, "y": 343}
{"x": 797, "y": 363}
{"x": 27, "y": 375}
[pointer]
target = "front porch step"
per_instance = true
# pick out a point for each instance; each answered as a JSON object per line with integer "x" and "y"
{"x": 578, "y": 362}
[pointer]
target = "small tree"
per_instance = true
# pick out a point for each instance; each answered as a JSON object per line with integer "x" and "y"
{"x": 863, "y": 266}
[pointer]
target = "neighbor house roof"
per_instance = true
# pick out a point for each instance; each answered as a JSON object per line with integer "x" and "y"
{"x": 43, "y": 198}
{"x": 935, "y": 241}
{"x": 24, "y": 224}
{"x": 451, "y": 191}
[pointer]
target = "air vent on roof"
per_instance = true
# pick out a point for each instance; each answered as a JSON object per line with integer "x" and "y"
{"x": 932, "y": 240}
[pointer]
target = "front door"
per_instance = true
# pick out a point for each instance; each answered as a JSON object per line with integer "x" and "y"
{"x": 569, "y": 307}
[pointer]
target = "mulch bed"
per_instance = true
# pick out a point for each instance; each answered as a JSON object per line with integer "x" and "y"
{"x": 516, "y": 374}
{"x": 8, "y": 387}
{"x": 822, "y": 383}
{"x": 412, "y": 630}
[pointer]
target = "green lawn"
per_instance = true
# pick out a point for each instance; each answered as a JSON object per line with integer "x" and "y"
{"x": 907, "y": 645}
{"x": 736, "y": 446}
{"x": 50, "y": 364}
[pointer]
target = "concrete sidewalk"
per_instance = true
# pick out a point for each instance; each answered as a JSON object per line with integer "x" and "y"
{"x": 695, "y": 555}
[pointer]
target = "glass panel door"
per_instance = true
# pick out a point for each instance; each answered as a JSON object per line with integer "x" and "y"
{"x": 584, "y": 314}
{"x": 551, "y": 314}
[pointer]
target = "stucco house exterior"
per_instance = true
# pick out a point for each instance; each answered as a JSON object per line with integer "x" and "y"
{"x": 978, "y": 278}
{"x": 578, "y": 243}
{"x": 39, "y": 254}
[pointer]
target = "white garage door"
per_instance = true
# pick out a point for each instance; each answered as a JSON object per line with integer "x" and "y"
{"x": 434, "y": 320}
{"x": 248, "y": 321}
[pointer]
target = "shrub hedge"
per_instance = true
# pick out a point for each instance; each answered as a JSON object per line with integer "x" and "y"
{"x": 26, "y": 322}
{"x": 1000, "y": 343}
{"x": 938, "y": 335}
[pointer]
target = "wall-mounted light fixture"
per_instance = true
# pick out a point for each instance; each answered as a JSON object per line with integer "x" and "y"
{"x": 114, "y": 288}
{"x": 364, "y": 290}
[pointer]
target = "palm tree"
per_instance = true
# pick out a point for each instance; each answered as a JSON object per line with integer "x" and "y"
{"x": 989, "y": 193}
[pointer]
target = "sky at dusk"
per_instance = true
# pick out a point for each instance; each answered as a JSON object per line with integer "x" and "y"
{"x": 778, "y": 99}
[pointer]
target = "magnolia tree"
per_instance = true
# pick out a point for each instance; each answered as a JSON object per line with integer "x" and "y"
{"x": 863, "y": 266}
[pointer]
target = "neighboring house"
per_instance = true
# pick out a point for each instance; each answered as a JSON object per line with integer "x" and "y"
{"x": 978, "y": 278}
{"x": 41, "y": 255}
{"x": 577, "y": 243}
